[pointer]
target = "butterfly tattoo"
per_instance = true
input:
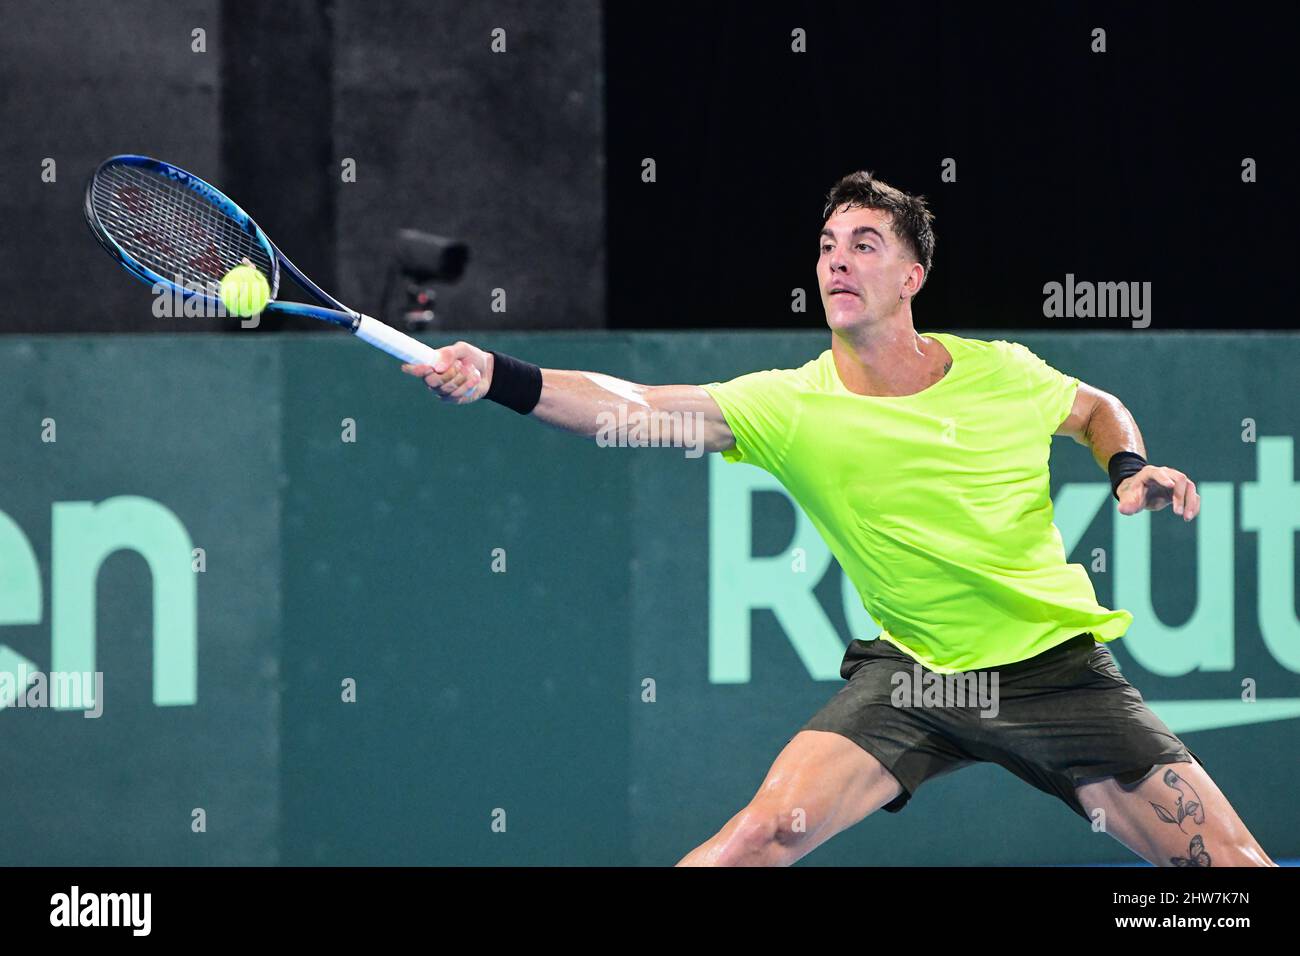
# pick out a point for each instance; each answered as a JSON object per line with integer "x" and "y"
{"x": 1196, "y": 855}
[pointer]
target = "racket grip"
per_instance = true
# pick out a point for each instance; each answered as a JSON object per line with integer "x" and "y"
{"x": 395, "y": 343}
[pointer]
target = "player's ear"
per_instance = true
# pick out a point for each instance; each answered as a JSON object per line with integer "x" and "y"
{"x": 915, "y": 277}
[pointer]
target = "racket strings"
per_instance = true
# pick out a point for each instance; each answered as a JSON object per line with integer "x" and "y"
{"x": 171, "y": 230}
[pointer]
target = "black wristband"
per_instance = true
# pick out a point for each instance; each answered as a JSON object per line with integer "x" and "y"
{"x": 1122, "y": 465}
{"x": 515, "y": 384}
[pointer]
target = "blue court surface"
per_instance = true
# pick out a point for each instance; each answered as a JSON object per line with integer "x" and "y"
{"x": 1278, "y": 862}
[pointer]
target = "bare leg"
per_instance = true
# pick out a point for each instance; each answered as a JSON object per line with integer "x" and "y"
{"x": 820, "y": 784}
{"x": 1175, "y": 816}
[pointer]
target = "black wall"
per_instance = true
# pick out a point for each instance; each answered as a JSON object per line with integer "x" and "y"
{"x": 501, "y": 150}
{"x": 81, "y": 81}
{"x": 1115, "y": 166}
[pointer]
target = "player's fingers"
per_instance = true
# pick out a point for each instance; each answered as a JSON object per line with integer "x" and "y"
{"x": 459, "y": 350}
{"x": 1180, "y": 494}
{"x": 1157, "y": 488}
{"x": 419, "y": 371}
{"x": 453, "y": 379}
{"x": 434, "y": 382}
{"x": 468, "y": 391}
{"x": 436, "y": 379}
{"x": 1193, "y": 506}
{"x": 1132, "y": 496}
{"x": 465, "y": 380}
{"x": 449, "y": 355}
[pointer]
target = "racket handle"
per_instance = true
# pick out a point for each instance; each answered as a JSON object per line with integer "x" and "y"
{"x": 395, "y": 343}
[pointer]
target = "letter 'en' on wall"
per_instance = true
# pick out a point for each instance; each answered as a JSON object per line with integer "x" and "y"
{"x": 83, "y": 535}
{"x": 20, "y": 590}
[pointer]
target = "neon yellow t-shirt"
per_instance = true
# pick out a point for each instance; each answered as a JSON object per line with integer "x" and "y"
{"x": 936, "y": 504}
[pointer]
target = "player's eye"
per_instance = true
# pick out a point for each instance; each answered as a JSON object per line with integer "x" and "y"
{"x": 825, "y": 246}
{"x": 863, "y": 245}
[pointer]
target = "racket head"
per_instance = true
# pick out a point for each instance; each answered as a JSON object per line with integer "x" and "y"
{"x": 168, "y": 227}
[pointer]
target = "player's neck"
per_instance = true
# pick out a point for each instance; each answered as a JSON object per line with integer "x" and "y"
{"x": 888, "y": 359}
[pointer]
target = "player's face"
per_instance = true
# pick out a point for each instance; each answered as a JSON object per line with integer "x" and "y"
{"x": 860, "y": 255}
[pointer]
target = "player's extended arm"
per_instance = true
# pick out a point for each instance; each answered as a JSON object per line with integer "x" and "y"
{"x": 588, "y": 403}
{"x": 1100, "y": 422}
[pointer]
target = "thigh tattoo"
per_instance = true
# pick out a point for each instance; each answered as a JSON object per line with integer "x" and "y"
{"x": 1186, "y": 806}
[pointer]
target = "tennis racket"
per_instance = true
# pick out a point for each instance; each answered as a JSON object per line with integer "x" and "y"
{"x": 171, "y": 229}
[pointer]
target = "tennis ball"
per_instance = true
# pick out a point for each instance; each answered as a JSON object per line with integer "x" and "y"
{"x": 244, "y": 291}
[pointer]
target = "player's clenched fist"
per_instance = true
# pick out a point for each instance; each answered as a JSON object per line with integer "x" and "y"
{"x": 462, "y": 374}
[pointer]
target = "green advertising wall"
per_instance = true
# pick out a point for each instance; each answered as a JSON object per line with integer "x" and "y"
{"x": 340, "y": 623}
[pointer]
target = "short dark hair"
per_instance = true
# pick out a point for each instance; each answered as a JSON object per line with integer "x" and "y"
{"x": 912, "y": 221}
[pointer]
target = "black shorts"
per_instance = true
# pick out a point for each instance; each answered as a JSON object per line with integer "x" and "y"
{"x": 1058, "y": 720}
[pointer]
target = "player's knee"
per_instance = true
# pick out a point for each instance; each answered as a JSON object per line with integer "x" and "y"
{"x": 765, "y": 831}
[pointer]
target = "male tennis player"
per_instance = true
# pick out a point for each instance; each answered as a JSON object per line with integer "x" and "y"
{"x": 923, "y": 462}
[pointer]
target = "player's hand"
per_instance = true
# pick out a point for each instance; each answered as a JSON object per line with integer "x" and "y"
{"x": 1155, "y": 487}
{"x": 463, "y": 373}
